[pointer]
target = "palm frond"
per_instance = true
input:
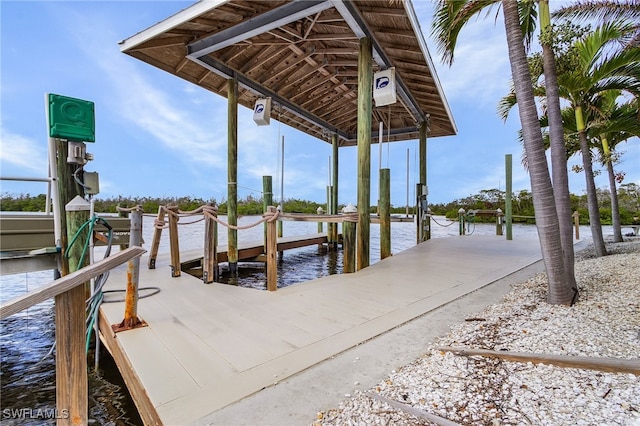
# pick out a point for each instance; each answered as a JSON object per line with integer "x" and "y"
{"x": 450, "y": 16}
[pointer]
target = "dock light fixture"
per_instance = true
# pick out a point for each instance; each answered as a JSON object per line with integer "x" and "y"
{"x": 262, "y": 112}
{"x": 384, "y": 87}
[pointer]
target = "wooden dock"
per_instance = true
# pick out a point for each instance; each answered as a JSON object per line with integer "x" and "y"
{"x": 253, "y": 250}
{"x": 207, "y": 346}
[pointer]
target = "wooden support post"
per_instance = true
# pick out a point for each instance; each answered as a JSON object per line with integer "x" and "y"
{"x": 72, "y": 386}
{"x": 461, "y": 215}
{"x": 232, "y": 174}
{"x": 133, "y": 272}
{"x": 271, "y": 249}
{"x": 122, "y": 213}
{"x": 385, "y": 213}
{"x": 499, "y": 219}
{"x": 508, "y": 211}
{"x": 210, "y": 261}
{"x": 267, "y": 200}
{"x": 334, "y": 189}
{"x": 423, "y": 152}
{"x": 576, "y": 223}
{"x": 319, "y": 211}
{"x": 329, "y": 205}
{"x": 157, "y": 233}
{"x": 418, "y": 212}
{"x": 174, "y": 245}
{"x": 365, "y": 89}
{"x": 349, "y": 228}
{"x": 281, "y": 206}
{"x": 68, "y": 188}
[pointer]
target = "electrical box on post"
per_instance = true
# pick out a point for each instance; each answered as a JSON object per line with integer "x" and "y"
{"x": 384, "y": 87}
{"x": 71, "y": 119}
{"x": 91, "y": 183}
{"x": 262, "y": 112}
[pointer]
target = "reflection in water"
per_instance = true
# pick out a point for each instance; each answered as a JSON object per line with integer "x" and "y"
{"x": 294, "y": 266}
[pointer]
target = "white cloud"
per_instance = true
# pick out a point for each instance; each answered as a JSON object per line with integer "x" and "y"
{"x": 21, "y": 153}
{"x": 172, "y": 120}
{"x": 480, "y": 72}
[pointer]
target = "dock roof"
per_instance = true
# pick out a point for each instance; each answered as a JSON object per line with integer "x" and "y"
{"x": 304, "y": 55}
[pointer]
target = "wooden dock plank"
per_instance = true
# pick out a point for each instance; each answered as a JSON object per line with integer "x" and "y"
{"x": 162, "y": 374}
{"x": 267, "y": 336}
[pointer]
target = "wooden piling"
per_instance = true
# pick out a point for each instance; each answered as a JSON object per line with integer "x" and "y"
{"x": 320, "y": 227}
{"x": 133, "y": 271}
{"x": 72, "y": 388}
{"x": 123, "y": 214}
{"x": 334, "y": 188}
{"x": 267, "y": 199}
{"x": 232, "y": 174}
{"x": 385, "y": 213}
{"x": 329, "y": 206}
{"x": 423, "y": 152}
{"x": 508, "y": 210}
{"x": 576, "y": 223}
{"x": 174, "y": 245}
{"x": 155, "y": 243}
{"x": 418, "y": 213}
{"x": 271, "y": 248}
{"x": 210, "y": 260}
{"x": 365, "y": 89}
{"x": 349, "y": 227}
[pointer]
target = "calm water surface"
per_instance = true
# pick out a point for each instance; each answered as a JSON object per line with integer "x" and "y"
{"x": 27, "y": 369}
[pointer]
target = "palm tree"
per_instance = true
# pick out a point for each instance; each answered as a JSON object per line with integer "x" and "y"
{"x": 449, "y": 18}
{"x": 588, "y": 73}
{"x": 560, "y": 175}
{"x": 606, "y": 11}
{"x": 593, "y": 73}
{"x": 618, "y": 123}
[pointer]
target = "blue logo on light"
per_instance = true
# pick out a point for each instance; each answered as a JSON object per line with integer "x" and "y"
{"x": 382, "y": 82}
{"x": 259, "y": 108}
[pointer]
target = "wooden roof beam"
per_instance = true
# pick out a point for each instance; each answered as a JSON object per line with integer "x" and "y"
{"x": 312, "y": 87}
{"x": 291, "y": 67}
{"x": 263, "y": 56}
{"x": 359, "y": 26}
{"x": 223, "y": 70}
{"x": 163, "y": 42}
{"x": 275, "y": 18}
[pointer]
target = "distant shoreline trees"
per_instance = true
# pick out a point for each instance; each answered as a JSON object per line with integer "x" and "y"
{"x": 488, "y": 199}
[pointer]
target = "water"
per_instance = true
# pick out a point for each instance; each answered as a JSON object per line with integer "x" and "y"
{"x": 27, "y": 368}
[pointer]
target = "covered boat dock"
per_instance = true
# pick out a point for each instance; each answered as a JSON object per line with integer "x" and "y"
{"x": 313, "y": 62}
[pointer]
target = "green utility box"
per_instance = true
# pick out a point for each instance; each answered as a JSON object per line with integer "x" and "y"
{"x": 71, "y": 119}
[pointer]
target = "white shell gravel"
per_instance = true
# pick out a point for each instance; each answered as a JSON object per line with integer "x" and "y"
{"x": 605, "y": 322}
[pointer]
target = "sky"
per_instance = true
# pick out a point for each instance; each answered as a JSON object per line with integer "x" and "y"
{"x": 160, "y": 136}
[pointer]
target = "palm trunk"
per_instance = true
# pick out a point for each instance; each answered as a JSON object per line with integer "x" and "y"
{"x": 543, "y": 198}
{"x": 559, "y": 174}
{"x": 615, "y": 208}
{"x": 592, "y": 196}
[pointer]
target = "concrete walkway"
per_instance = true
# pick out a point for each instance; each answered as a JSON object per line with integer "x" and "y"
{"x": 208, "y": 348}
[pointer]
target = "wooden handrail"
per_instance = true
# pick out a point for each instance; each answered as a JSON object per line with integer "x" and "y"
{"x": 68, "y": 282}
{"x": 303, "y": 217}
